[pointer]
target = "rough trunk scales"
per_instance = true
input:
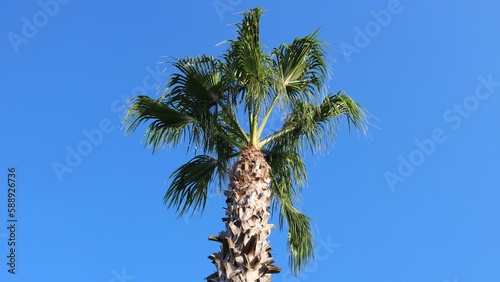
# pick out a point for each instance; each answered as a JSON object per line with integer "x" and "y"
{"x": 245, "y": 252}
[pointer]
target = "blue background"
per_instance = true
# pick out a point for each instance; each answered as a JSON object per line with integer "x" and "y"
{"x": 416, "y": 200}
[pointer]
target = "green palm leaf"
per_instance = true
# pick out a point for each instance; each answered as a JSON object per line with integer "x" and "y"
{"x": 300, "y": 236}
{"x": 190, "y": 183}
{"x": 301, "y": 68}
{"x": 289, "y": 173}
{"x": 198, "y": 80}
{"x": 313, "y": 126}
{"x": 250, "y": 68}
{"x": 167, "y": 125}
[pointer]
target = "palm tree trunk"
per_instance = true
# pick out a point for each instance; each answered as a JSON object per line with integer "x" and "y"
{"x": 245, "y": 252}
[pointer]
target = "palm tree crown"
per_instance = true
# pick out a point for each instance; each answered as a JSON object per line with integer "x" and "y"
{"x": 220, "y": 107}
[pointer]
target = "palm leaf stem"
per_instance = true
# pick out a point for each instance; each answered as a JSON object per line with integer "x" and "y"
{"x": 232, "y": 141}
{"x": 266, "y": 116}
{"x": 234, "y": 121}
{"x": 275, "y": 136}
{"x": 254, "y": 138}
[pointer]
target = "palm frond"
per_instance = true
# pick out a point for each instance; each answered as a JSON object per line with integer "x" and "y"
{"x": 190, "y": 184}
{"x": 250, "y": 67}
{"x": 198, "y": 80}
{"x": 288, "y": 169}
{"x": 300, "y": 237}
{"x": 314, "y": 126}
{"x": 167, "y": 125}
{"x": 343, "y": 103}
{"x": 198, "y": 89}
{"x": 301, "y": 68}
{"x": 246, "y": 51}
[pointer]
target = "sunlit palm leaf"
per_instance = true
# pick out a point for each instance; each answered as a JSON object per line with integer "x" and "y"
{"x": 314, "y": 126}
{"x": 250, "y": 67}
{"x": 301, "y": 68}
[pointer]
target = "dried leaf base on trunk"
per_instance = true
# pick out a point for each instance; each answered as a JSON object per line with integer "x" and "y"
{"x": 245, "y": 252}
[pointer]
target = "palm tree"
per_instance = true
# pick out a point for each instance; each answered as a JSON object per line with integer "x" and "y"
{"x": 220, "y": 107}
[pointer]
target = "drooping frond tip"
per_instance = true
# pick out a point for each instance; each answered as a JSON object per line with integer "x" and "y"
{"x": 190, "y": 184}
{"x": 300, "y": 239}
{"x": 357, "y": 116}
{"x": 289, "y": 173}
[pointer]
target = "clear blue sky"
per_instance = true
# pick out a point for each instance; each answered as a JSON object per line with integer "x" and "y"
{"x": 416, "y": 201}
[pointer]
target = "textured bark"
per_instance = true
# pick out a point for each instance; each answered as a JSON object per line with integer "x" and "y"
{"x": 244, "y": 255}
